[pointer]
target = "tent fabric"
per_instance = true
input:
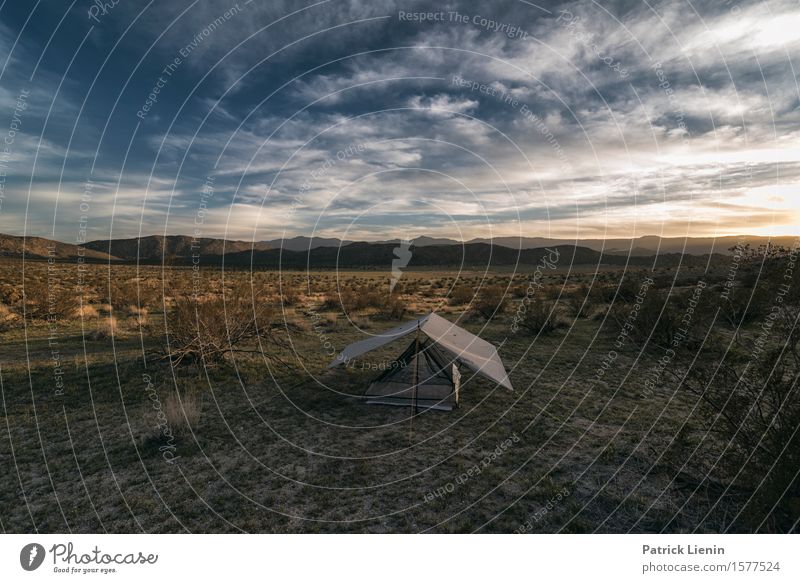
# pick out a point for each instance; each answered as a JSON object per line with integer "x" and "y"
{"x": 434, "y": 390}
{"x": 473, "y": 352}
{"x": 358, "y": 348}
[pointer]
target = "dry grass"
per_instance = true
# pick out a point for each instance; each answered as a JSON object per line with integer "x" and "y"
{"x": 267, "y": 444}
{"x": 139, "y": 314}
{"x": 6, "y": 312}
{"x": 86, "y": 311}
{"x": 332, "y": 320}
{"x": 107, "y": 327}
{"x": 182, "y": 412}
{"x": 8, "y": 318}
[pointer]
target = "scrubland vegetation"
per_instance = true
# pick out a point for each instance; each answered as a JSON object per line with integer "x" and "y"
{"x": 169, "y": 399}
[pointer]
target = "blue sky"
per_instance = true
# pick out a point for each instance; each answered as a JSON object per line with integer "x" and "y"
{"x": 371, "y": 120}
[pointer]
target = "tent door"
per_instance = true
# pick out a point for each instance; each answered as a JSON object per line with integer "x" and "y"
{"x": 396, "y": 385}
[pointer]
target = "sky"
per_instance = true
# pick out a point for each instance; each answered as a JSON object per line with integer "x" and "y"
{"x": 380, "y": 119}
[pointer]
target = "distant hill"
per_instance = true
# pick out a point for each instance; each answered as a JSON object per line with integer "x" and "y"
{"x": 157, "y": 247}
{"x": 305, "y": 243}
{"x": 297, "y": 252}
{"x": 635, "y": 252}
{"x": 424, "y": 241}
{"x": 641, "y": 246}
{"x": 650, "y": 244}
{"x": 39, "y": 248}
{"x": 471, "y": 255}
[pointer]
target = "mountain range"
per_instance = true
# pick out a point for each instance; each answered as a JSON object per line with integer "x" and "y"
{"x": 648, "y": 245}
{"x": 328, "y": 252}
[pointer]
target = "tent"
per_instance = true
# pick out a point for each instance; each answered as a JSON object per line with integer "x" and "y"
{"x": 426, "y": 374}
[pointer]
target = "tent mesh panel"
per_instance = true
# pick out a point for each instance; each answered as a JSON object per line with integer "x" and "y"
{"x": 395, "y": 386}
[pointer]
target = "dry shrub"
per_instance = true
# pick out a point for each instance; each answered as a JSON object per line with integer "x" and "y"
{"x": 490, "y": 301}
{"x": 182, "y": 413}
{"x": 289, "y": 296}
{"x": 43, "y": 302}
{"x": 461, "y": 295}
{"x": 749, "y": 403}
{"x": 331, "y": 302}
{"x": 362, "y": 298}
{"x": 139, "y": 314}
{"x": 361, "y": 322}
{"x": 407, "y": 286}
{"x": 538, "y": 318}
{"x": 353, "y": 299}
{"x": 85, "y": 312}
{"x": 745, "y": 305}
{"x": 394, "y": 308}
{"x": 657, "y": 322}
{"x": 121, "y": 296}
{"x": 579, "y": 302}
{"x": 116, "y": 295}
{"x": 209, "y": 332}
{"x": 554, "y": 292}
{"x": 10, "y": 294}
{"x": 107, "y": 327}
{"x": 7, "y": 318}
{"x": 332, "y": 320}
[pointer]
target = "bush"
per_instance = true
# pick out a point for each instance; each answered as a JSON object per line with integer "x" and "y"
{"x": 85, "y": 312}
{"x": 750, "y": 403}
{"x": 658, "y": 320}
{"x": 139, "y": 315}
{"x": 394, "y": 308}
{"x": 289, "y": 296}
{"x": 107, "y": 327}
{"x": 461, "y": 294}
{"x": 538, "y": 318}
{"x": 350, "y": 300}
{"x": 760, "y": 272}
{"x": 117, "y": 295}
{"x": 7, "y": 318}
{"x": 624, "y": 290}
{"x": 331, "y": 302}
{"x": 490, "y": 301}
{"x": 211, "y": 330}
{"x": 48, "y": 302}
{"x": 578, "y": 302}
{"x": 743, "y": 305}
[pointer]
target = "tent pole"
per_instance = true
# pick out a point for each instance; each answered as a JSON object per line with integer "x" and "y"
{"x": 416, "y": 369}
{"x": 414, "y": 390}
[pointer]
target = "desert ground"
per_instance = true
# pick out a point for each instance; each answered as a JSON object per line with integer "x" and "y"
{"x": 172, "y": 399}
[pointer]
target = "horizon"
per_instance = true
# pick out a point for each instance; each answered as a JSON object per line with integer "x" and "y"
{"x": 392, "y": 240}
{"x": 597, "y": 122}
{"x": 389, "y": 240}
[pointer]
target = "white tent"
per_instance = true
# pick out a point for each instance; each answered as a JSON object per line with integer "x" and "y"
{"x": 438, "y": 371}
